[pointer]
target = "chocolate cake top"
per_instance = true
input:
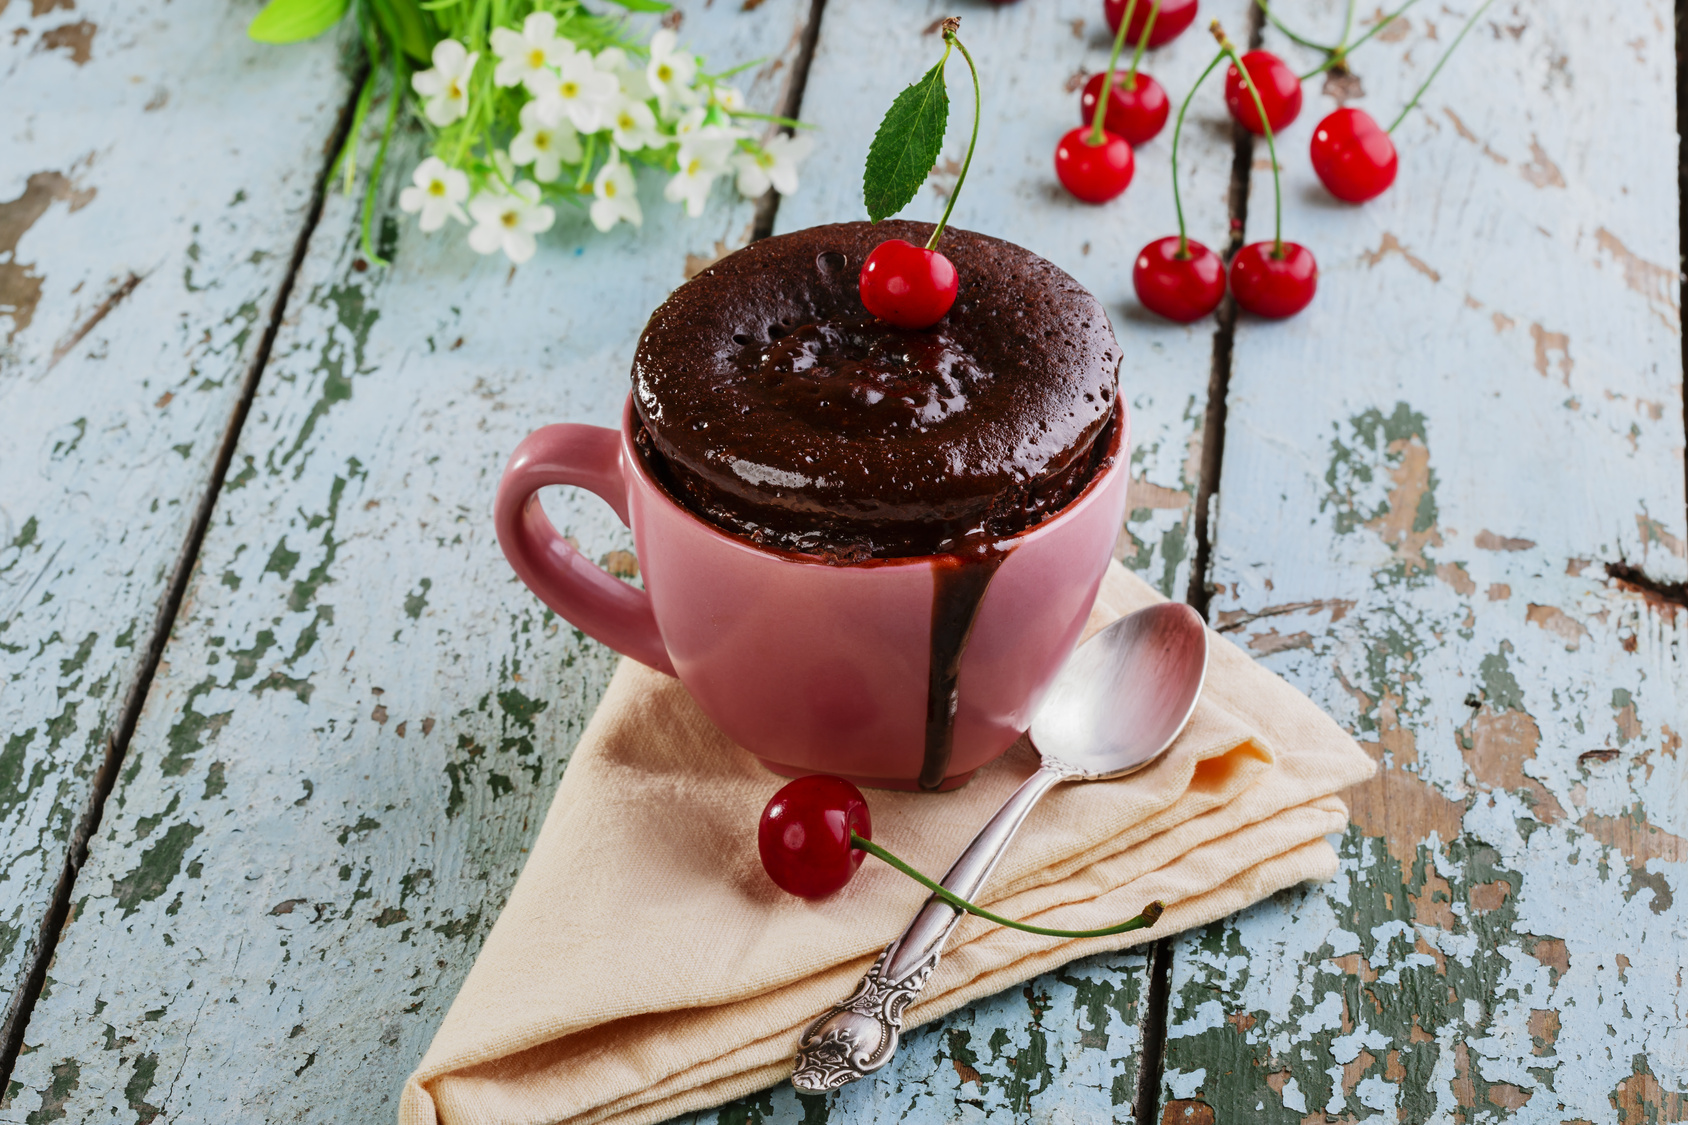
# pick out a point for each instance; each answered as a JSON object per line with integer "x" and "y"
{"x": 775, "y": 406}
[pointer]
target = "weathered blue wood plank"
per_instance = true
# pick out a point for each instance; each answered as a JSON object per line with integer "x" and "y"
{"x": 362, "y": 714}
{"x": 1427, "y": 475}
{"x": 156, "y": 172}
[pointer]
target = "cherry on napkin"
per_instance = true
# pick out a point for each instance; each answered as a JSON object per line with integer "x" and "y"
{"x": 645, "y": 965}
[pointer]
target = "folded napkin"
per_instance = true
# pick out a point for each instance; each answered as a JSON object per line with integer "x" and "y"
{"x": 645, "y": 965}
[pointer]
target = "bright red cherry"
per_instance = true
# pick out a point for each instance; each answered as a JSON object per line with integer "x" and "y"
{"x": 1094, "y": 173}
{"x": 908, "y": 285}
{"x": 1174, "y": 17}
{"x": 804, "y": 836}
{"x": 1280, "y": 92}
{"x": 1137, "y": 105}
{"x": 1274, "y": 286}
{"x": 1179, "y": 288}
{"x": 1355, "y": 159}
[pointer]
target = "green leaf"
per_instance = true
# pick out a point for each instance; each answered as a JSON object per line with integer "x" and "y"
{"x": 407, "y": 25}
{"x": 906, "y": 146}
{"x": 289, "y": 21}
{"x": 642, "y": 5}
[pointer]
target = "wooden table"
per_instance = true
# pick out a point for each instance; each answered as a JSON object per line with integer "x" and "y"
{"x": 277, "y": 724}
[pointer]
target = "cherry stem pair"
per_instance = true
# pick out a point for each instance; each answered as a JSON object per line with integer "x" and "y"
{"x": 1151, "y": 913}
{"x": 1336, "y": 56}
{"x": 951, "y": 39}
{"x": 1101, "y": 114}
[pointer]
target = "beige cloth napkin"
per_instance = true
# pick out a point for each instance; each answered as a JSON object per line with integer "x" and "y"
{"x": 645, "y": 965}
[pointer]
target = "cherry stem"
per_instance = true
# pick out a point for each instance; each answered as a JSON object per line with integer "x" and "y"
{"x": 1226, "y": 48}
{"x": 1177, "y": 130}
{"x": 1300, "y": 40}
{"x": 1437, "y": 69}
{"x": 1101, "y": 112}
{"x": 1142, "y": 45}
{"x": 1340, "y": 58}
{"x": 1151, "y": 913}
{"x": 950, "y": 37}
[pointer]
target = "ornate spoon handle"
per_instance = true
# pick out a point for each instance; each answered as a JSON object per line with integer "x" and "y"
{"x": 860, "y": 1034}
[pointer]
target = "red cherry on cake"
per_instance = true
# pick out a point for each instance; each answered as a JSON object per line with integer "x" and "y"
{"x": 1354, "y": 157}
{"x": 1137, "y": 105}
{"x": 908, "y": 285}
{"x": 1280, "y": 92}
{"x": 1094, "y": 173}
{"x": 1181, "y": 287}
{"x": 1174, "y": 17}
{"x": 1274, "y": 282}
{"x": 804, "y": 835}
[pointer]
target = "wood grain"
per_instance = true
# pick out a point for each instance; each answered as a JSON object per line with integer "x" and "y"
{"x": 361, "y": 715}
{"x": 146, "y": 232}
{"x": 1425, "y": 475}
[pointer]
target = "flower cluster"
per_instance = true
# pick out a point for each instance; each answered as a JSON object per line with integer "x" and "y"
{"x": 543, "y": 113}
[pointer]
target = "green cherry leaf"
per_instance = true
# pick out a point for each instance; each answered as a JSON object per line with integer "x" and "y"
{"x": 289, "y": 21}
{"x": 906, "y": 146}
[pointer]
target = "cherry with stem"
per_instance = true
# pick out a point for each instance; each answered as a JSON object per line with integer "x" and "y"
{"x": 815, "y": 832}
{"x": 914, "y": 286}
{"x": 1353, "y": 157}
{"x": 1136, "y": 105}
{"x": 1276, "y": 279}
{"x": 1179, "y": 278}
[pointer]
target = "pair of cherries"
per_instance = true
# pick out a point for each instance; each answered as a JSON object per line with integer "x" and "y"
{"x": 1185, "y": 283}
{"x": 1096, "y": 167}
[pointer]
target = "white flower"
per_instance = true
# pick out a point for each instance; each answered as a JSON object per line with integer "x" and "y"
{"x": 729, "y": 98}
{"x": 579, "y": 91}
{"x": 438, "y": 194}
{"x": 525, "y": 56}
{"x": 773, "y": 165}
{"x": 617, "y": 197}
{"x": 508, "y": 220}
{"x": 703, "y": 156}
{"x": 690, "y": 122}
{"x": 633, "y": 126}
{"x": 445, "y": 88}
{"x": 613, "y": 60}
{"x": 546, "y": 147}
{"x": 670, "y": 72}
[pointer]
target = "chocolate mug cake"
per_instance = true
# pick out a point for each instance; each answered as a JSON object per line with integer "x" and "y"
{"x": 771, "y": 404}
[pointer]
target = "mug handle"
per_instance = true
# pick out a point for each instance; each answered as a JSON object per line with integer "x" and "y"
{"x": 599, "y": 605}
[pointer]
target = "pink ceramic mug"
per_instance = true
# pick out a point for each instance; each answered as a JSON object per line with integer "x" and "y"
{"x": 812, "y": 667}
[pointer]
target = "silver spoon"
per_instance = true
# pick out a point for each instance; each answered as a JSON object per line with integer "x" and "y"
{"x": 1117, "y": 704}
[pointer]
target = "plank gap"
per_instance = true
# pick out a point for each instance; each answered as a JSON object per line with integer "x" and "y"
{"x": 767, "y": 208}
{"x": 18, "y": 1012}
{"x": 1219, "y": 377}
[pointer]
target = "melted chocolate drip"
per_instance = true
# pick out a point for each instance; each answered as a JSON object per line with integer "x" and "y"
{"x": 961, "y": 581}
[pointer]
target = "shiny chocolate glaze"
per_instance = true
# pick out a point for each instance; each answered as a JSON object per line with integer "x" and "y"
{"x": 775, "y": 407}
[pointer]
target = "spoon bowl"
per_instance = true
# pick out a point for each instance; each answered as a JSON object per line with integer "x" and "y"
{"x": 1124, "y": 695}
